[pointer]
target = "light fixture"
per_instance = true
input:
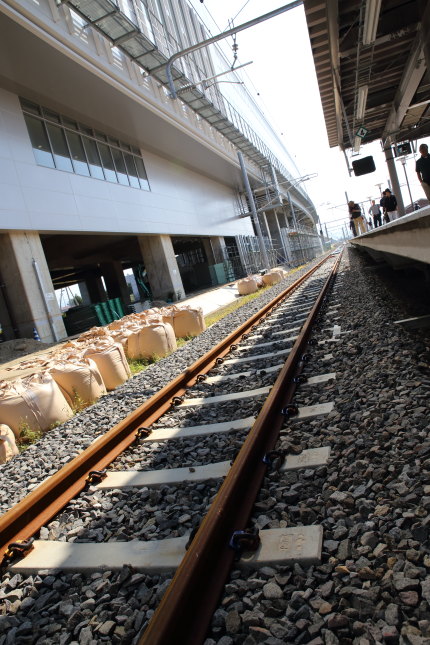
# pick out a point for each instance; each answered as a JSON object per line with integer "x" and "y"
{"x": 371, "y": 19}
{"x": 361, "y": 102}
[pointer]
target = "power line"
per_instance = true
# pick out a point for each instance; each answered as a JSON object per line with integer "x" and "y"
{"x": 240, "y": 11}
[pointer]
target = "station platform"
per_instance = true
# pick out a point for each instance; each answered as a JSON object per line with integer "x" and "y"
{"x": 402, "y": 243}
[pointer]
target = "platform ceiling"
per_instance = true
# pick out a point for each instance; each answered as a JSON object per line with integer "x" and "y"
{"x": 393, "y": 67}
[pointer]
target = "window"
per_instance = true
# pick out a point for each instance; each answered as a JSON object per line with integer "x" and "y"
{"x": 132, "y": 172}
{"x": 120, "y": 167}
{"x": 40, "y": 142}
{"x": 93, "y": 156}
{"x": 78, "y": 154}
{"x": 59, "y": 148}
{"x": 62, "y": 143}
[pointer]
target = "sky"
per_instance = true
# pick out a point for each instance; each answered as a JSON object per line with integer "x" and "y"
{"x": 283, "y": 82}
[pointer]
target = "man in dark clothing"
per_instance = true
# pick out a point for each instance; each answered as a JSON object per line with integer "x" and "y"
{"x": 422, "y": 168}
{"x": 385, "y": 217}
{"x": 357, "y": 217}
{"x": 389, "y": 205}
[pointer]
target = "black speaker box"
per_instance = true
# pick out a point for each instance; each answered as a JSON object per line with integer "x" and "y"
{"x": 363, "y": 166}
{"x": 403, "y": 149}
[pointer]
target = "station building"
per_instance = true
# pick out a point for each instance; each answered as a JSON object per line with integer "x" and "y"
{"x": 102, "y": 171}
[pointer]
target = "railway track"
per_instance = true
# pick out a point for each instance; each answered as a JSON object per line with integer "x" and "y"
{"x": 109, "y": 510}
{"x": 35, "y": 511}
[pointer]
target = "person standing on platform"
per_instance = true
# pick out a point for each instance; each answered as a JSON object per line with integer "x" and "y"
{"x": 390, "y": 205}
{"x": 357, "y": 217}
{"x": 422, "y": 168}
{"x": 375, "y": 211}
{"x": 385, "y": 217}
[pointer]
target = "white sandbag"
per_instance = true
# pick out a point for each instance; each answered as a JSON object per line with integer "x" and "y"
{"x": 112, "y": 363}
{"x": 35, "y": 402}
{"x": 247, "y": 286}
{"x": 188, "y": 321}
{"x": 273, "y": 277}
{"x": 80, "y": 381}
{"x": 8, "y": 447}
{"x": 154, "y": 339}
{"x": 259, "y": 280}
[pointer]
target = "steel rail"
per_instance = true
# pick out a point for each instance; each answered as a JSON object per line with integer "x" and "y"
{"x": 27, "y": 517}
{"x": 187, "y": 606}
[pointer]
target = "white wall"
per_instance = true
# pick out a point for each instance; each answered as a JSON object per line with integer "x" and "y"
{"x": 42, "y": 199}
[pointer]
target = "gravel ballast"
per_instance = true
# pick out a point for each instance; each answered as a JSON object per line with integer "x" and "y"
{"x": 372, "y": 499}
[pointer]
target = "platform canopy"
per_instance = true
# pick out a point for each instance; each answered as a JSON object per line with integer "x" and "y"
{"x": 372, "y": 60}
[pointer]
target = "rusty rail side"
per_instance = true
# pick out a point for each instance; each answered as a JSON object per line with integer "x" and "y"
{"x": 186, "y": 609}
{"x": 24, "y": 519}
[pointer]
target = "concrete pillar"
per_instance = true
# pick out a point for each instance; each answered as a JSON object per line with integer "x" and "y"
{"x": 282, "y": 219}
{"x": 83, "y": 290}
{"x": 394, "y": 180}
{"x": 95, "y": 288}
{"x": 9, "y": 331}
{"x": 215, "y": 249}
{"x": 161, "y": 266}
{"x": 116, "y": 285}
{"x": 29, "y": 286}
{"x": 208, "y": 251}
{"x": 219, "y": 248}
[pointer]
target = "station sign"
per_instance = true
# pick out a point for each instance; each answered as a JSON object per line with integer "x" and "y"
{"x": 361, "y": 132}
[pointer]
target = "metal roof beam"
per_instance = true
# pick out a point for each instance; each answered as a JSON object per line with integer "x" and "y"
{"x": 412, "y": 75}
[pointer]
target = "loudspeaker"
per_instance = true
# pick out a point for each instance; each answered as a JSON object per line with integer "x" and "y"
{"x": 363, "y": 166}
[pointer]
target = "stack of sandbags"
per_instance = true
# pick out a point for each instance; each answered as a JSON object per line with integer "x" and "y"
{"x": 111, "y": 362}
{"x": 150, "y": 340}
{"x": 79, "y": 380}
{"x": 185, "y": 320}
{"x": 247, "y": 285}
{"x": 35, "y": 402}
{"x": 94, "y": 334}
{"x": 8, "y": 448}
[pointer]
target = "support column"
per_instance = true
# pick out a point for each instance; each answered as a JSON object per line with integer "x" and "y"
{"x": 215, "y": 249}
{"x": 115, "y": 281}
{"x": 161, "y": 266}
{"x": 394, "y": 180}
{"x": 95, "y": 288}
{"x": 208, "y": 251}
{"x": 282, "y": 219}
{"x": 31, "y": 294}
{"x": 85, "y": 295}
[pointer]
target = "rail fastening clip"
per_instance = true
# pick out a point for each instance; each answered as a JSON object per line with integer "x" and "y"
{"x": 274, "y": 459}
{"x": 96, "y": 476}
{"x": 247, "y": 540}
{"x": 17, "y": 549}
